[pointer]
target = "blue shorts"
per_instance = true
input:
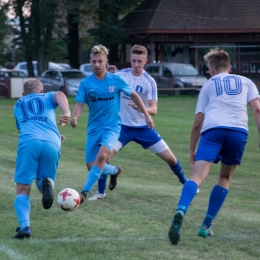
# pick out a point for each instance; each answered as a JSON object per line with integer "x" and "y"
{"x": 222, "y": 144}
{"x": 36, "y": 159}
{"x": 144, "y": 136}
{"x": 103, "y": 137}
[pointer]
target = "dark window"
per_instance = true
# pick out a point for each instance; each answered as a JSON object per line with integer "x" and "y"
{"x": 166, "y": 72}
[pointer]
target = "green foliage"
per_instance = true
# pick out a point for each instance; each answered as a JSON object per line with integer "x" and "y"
{"x": 3, "y": 27}
{"x": 106, "y": 16}
{"x": 133, "y": 221}
{"x": 3, "y": 32}
{"x": 59, "y": 51}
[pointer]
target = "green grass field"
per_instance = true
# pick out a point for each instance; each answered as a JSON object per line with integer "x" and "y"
{"x": 133, "y": 221}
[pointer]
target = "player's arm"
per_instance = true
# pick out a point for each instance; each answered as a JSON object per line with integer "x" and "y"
{"x": 62, "y": 101}
{"x": 76, "y": 114}
{"x": 138, "y": 101}
{"x": 254, "y": 104}
{"x": 195, "y": 135}
{"x": 151, "y": 109}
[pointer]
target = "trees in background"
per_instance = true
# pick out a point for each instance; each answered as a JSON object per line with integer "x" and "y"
{"x": 47, "y": 26}
{"x": 3, "y": 34}
{"x": 108, "y": 29}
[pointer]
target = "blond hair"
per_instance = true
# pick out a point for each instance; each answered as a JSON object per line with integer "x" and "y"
{"x": 139, "y": 49}
{"x": 217, "y": 58}
{"x": 99, "y": 49}
{"x": 32, "y": 86}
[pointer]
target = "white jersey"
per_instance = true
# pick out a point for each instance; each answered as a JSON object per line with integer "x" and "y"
{"x": 146, "y": 88}
{"x": 223, "y": 100}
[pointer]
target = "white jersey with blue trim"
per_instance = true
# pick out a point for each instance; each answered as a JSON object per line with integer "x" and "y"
{"x": 223, "y": 99}
{"x": 146, "y": 88}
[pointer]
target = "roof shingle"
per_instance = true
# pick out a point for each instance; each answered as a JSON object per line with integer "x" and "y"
{"x": 186, "y": 15}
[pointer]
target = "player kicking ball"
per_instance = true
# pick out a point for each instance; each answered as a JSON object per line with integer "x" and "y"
{"x": 38, "y": 150}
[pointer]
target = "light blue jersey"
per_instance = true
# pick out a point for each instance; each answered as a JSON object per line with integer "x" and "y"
{"x": 103, "y": 100}
{"x": 36, "y": 118}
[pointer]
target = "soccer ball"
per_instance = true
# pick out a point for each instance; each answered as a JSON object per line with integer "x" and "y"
{"x": 68, "y": 199}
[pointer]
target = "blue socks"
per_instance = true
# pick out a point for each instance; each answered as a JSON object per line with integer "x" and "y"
{"x": 92, "y": 178}
{"x": 109, "y": 169}
{"x": 216, "y": 200}
{"x": 188, "y": 193}
{"x": 102, "y": 183}
{"x": 177, "y": 169}
{"x": 22, "y": 209}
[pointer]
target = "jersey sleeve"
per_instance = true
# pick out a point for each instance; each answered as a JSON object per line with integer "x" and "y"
{"x": 52, "y": 99}
{"x": 151, "y": 89}
{"x": 80, "y": 97}
{"x": 125, "y": 87}
{"x": 202, "y": 101}
{"x": 252, "y": 92}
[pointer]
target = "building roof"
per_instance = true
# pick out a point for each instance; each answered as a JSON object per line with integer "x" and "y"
{"x": 186, "y": 16}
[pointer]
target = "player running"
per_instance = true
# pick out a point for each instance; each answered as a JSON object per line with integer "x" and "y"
{"x": 221, "y": 123}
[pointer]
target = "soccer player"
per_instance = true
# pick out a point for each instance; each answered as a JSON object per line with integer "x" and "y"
{"x": 221, "y": 123}
{"x": 134, "y": 127}
{"x": 38, "y": 150}
{"x": 101, "y": 92}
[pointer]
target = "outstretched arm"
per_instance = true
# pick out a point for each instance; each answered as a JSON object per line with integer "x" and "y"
{"x": 151, "y": 109}
{"x": 76, "y": 114}
{"x": 138, "y": 101}
{"x": 62, "y": 100}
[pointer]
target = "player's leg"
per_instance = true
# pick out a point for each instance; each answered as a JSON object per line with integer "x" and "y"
{"x": 25, "y": 172}
{"x": 46, "y": 172}
{"x": 216, "y": 199}
{"x": 206, "y": 154}
{"x": 126, "y": 136}
{"x": 189, "y": 191}
{"x": 231, "y": 157}
{"x": 171, "y": 160}
{"x": 97, "y": 153}
{"x": 22, "y": 208}
{"x": 96, "y": 168}
{"x": 153, "y": 141}
{"x": 102, "y": 181}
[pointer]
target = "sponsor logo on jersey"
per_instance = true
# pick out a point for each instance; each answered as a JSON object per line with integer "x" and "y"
{"x": 95, "y": 99}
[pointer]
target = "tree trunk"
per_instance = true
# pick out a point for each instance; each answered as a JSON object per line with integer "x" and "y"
{"x": 73, "y": 38}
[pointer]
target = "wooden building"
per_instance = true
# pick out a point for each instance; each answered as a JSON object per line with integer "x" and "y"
{"x": 184, "y": 30}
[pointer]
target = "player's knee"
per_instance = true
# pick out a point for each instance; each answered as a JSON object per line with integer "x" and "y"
{"x": 102, "y": 156}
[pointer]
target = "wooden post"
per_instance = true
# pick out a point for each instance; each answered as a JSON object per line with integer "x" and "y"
{"x": 196, "y": 55}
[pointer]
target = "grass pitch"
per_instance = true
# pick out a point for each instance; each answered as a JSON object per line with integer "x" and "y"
{"x": 133, "y": 221}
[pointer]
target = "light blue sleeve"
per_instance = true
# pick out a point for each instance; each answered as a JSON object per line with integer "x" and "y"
{"x": 125, "y": 87}
{"x": 51, "y": 94}
{"x": 80, "y": 97}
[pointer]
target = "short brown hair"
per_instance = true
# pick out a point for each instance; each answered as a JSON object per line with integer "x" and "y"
{"x": 139, "y": 49}
{"x": 32, "y": 86}
{"x": 99, "y": 49}
{"x": 217, "y": 58}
